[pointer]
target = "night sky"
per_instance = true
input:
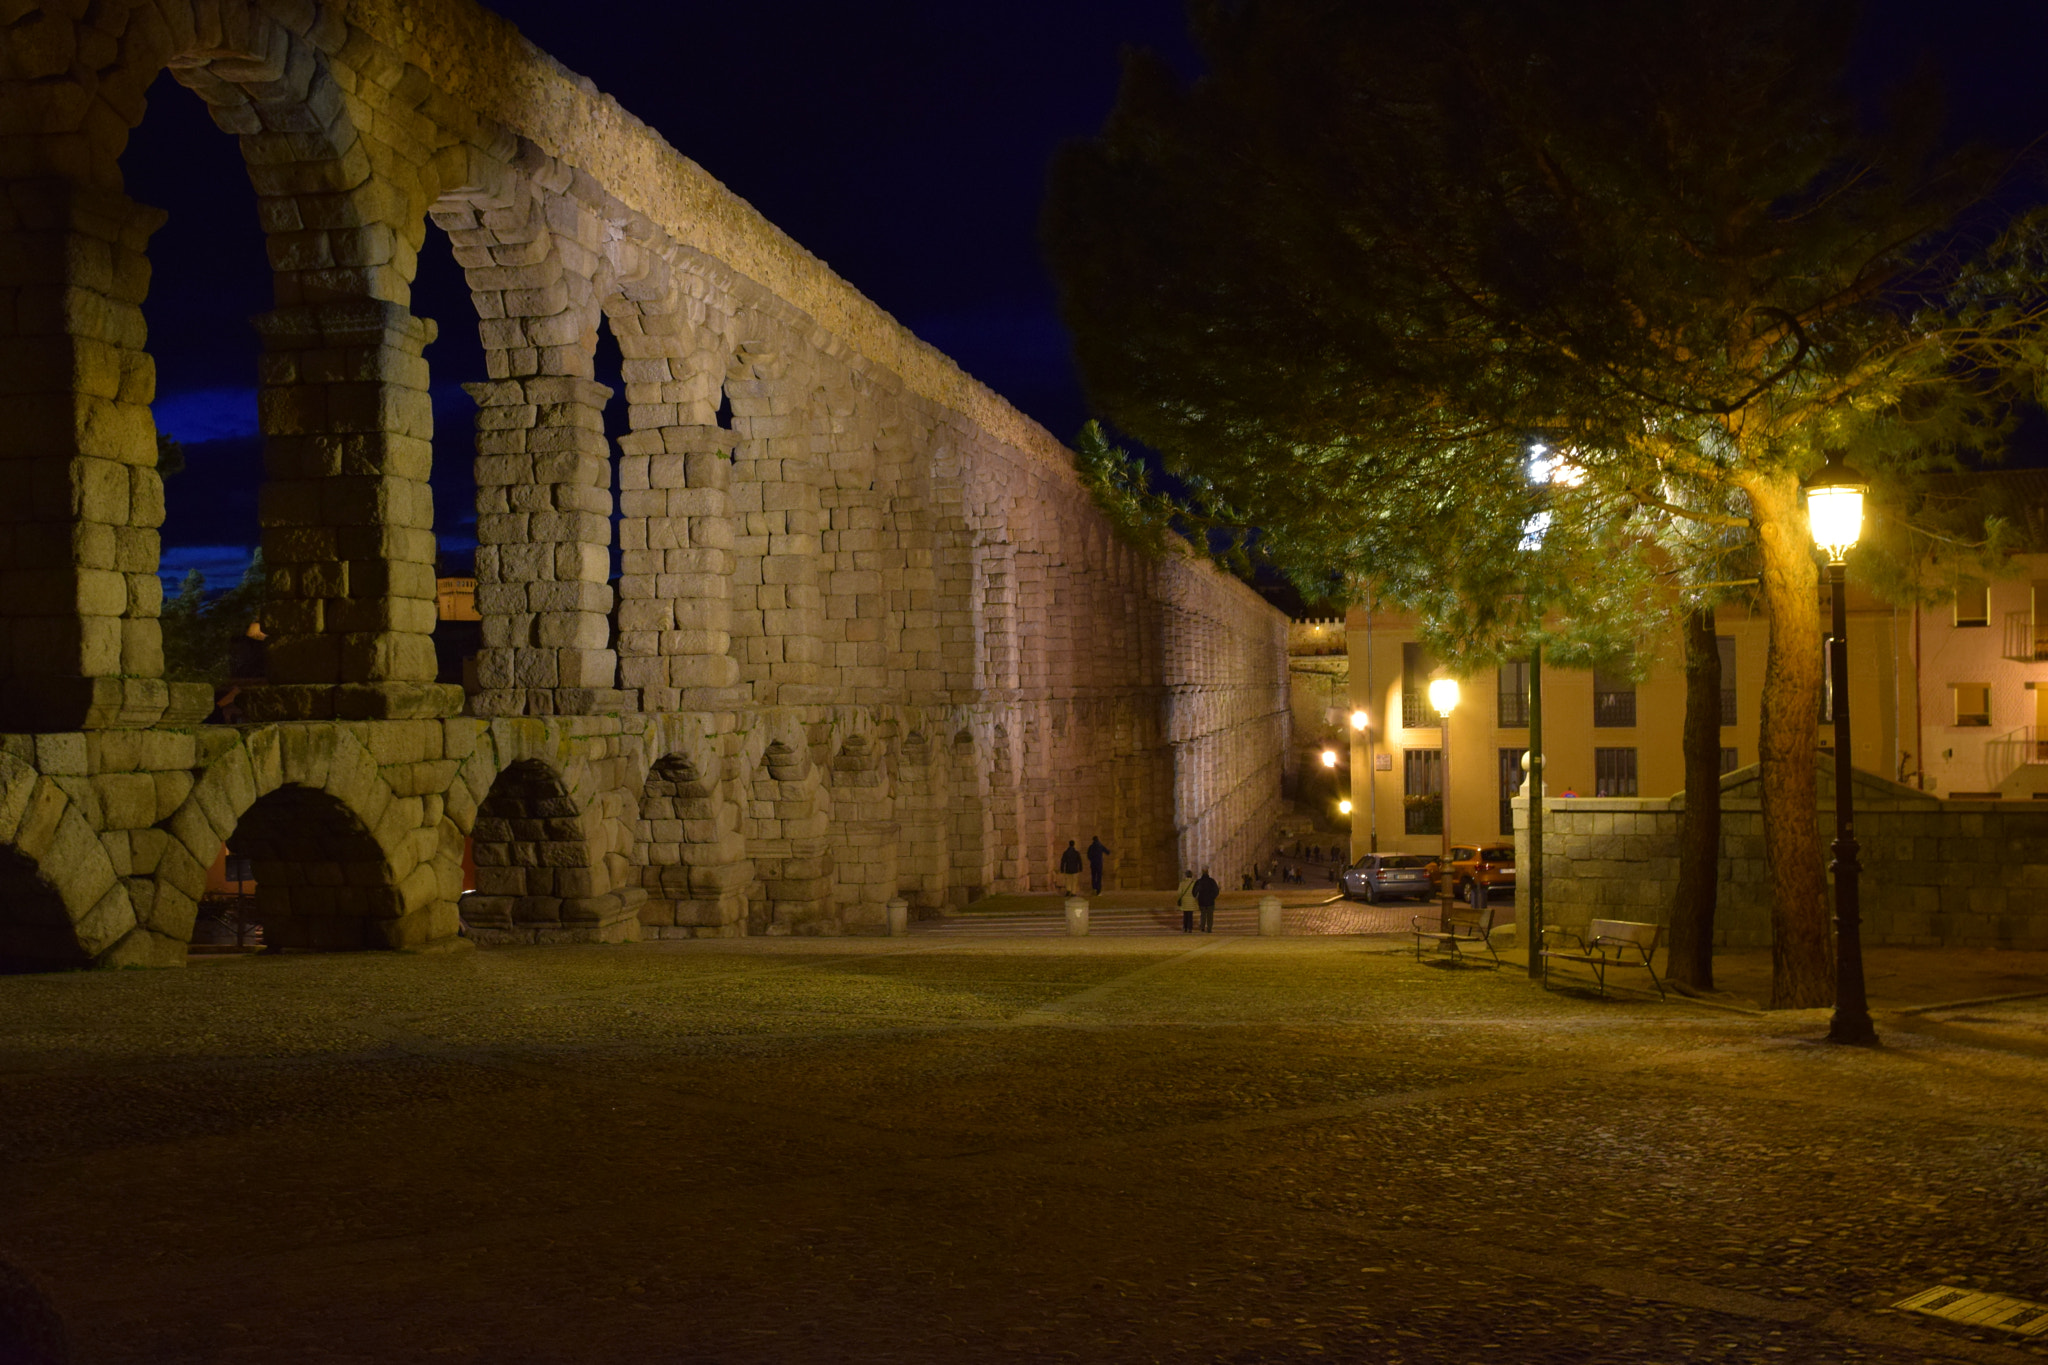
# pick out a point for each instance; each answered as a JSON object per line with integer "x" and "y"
{"x": 905, "y": 144}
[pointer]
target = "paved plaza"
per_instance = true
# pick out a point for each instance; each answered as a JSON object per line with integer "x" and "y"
{"x": 941, "y": 1149}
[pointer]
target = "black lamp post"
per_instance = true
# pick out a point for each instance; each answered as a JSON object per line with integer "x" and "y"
{"x": 1834, "y": 510}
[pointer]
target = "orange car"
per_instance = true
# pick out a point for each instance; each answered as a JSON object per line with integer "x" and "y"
{"x": 1475, "y": 865}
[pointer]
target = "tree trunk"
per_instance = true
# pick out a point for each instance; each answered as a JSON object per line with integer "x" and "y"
{"x": 1699, "y": 832}
{"x": 1802, "y": 955}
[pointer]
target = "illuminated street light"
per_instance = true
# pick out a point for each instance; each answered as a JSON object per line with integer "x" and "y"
{"x": 1359, "y": 720}
{"x": 1329, "y": 758}
{"x": 1344, "y": 806}
{"x": 1443, "y": 695}
{"x": 1834, "y": 509}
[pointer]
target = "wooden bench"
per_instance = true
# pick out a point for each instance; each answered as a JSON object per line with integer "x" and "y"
{"x": 1607, "y": 943}
{"x": 1464, "y": 926}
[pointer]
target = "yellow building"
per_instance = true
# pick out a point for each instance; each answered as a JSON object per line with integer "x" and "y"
{"x": 1605, "y": 736}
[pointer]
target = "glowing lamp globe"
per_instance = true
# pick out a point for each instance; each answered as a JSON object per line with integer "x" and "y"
{"x": 1443, "y": 695}
{"x": 1329, "y": 758}
{"x": 1358, "y": 720}
{"x": 1834, "y": 508}
{"x": 1344, "y": 807}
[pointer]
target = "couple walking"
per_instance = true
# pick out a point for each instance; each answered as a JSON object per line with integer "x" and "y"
{"x": 1070, "y": 865}
{"x": 1197, "y": 893}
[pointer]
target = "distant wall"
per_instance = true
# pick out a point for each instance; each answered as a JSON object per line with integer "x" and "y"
{"x": 1935, "y": 872}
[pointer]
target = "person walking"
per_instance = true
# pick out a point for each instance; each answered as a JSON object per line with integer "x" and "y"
{"x": 1097, "y": 851}
{"x": 1206, "y": 892}
{"x": 1070, "y": 869}
{"x": 1185, "y": 899}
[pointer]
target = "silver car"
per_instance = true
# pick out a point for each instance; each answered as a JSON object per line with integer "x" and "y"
{"x": 1390, "y": 876}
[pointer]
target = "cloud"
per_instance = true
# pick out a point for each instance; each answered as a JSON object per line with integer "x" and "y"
{"x": 198, "y": 415}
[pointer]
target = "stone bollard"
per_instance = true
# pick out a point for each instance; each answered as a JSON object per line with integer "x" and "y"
{"x": 1269, "y": 917}
{"x": 899, "y": 917}
{"x": 1077, "y": 916}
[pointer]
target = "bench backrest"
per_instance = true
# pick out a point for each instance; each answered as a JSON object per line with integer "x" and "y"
{"x": 1627, "y": 931}
{"x": 1479, "y": 919}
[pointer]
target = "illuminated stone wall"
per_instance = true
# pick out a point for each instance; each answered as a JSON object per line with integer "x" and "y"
{"x": 869, "y": 636}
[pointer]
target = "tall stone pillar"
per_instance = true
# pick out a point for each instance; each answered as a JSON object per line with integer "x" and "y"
{"x": 777, "y": 605}
{"x": 79, "y": 641}
{"x": 675, "y": 588}
{"x": 348, "y": 515}
{"x": 543, "y": 560}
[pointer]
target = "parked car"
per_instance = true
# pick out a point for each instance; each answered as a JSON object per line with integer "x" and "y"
{"x": 1489, "y": 865}
{"x": 1389, "y": 876}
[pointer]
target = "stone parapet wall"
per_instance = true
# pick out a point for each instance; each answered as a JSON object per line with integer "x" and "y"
{"x": 868, "y": 637}
{"x": 1935, "y": 872}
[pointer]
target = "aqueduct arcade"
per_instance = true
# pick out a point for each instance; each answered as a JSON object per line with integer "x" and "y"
{"x": 867, "y": 636}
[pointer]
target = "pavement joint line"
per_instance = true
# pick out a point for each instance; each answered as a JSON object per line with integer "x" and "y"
{"x": 1971, "y": 1004}
{"x": 1050, "y": 1012}
{"x": 1651, "y": 1285}
{"x": 1963, "y": 1036}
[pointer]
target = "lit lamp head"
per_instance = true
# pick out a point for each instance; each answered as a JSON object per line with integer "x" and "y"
{"x": 1359, "y": 719}
{"x": 1329, "y": 758}
{"x": 1344, "y": 806}
{"x": 1834, "y": 508}
{"x": 1443, "y": 695}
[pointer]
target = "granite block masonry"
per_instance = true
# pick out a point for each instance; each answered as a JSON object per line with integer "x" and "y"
{"x": 1936, "y": 872}
{"x": 869, "y": 638}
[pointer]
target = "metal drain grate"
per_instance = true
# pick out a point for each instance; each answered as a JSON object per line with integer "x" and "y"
{"x": 1973, "y": 1308}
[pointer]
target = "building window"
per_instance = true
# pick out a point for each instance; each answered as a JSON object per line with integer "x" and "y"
{"x": 1510, "y": 783}
{"x": 1614, "y": 772}
{"x": 1514, "y": 695}
{"x": 1973, "y": 703}
{"x": 1416, "y": 666}
{"x": 1731, "y": 759}
{"x": 1614, "y": 699}
{"x": 1725, "y": 644}
{"x": 1422, "y": 791}
{"x": 1973, "y": 602}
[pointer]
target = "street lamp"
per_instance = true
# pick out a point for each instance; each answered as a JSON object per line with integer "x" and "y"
{"x": 1834, "y": 510}
{"x": 1359, "y": 720}
{"x": 1344, "y": 806}
{"x": 1443, "y": 695}
{"x": 1329, "y": 758}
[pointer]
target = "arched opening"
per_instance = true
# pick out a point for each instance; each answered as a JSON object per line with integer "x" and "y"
{"x": 322, "y": 882}
{"x": 36, "y": 934}
{"x": 539, "y": 878}
{"x": 694, "y": 855}
{"x": 209, "y": 276}
{"x": 440, "y": 290}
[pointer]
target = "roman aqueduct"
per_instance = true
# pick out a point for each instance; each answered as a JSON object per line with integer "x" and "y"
{"x": 869, "y": 637}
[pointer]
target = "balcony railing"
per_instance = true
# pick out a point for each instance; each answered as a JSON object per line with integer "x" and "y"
{"x": 1614, "y": 708}
{"x": 2006, "y": 754}
{"x": 1514, "y": 710}
{"x": 2026, "y": 638}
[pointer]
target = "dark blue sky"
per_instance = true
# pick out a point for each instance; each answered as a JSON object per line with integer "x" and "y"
{"x": 904, "y": 143}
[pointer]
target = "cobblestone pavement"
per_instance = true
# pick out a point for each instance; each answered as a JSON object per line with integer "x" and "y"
{"x": 938, "y": 1150}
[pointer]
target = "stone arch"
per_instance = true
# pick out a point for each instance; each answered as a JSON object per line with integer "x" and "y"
{"x": 61, "y": 903}
{"x": 323, "y": 883}
{"x": 77, "y": 87}
{"x": 694, "y": 858}
{"x": 540, "y": 876}
{"x": 408, "y": 884}
{"x": 788, "y": 818}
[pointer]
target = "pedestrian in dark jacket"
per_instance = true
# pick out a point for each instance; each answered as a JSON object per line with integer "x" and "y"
{"x": 1097, "y": 851}
{"x": 1070, "y": 869}
{"x": 1206, "y": 892}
